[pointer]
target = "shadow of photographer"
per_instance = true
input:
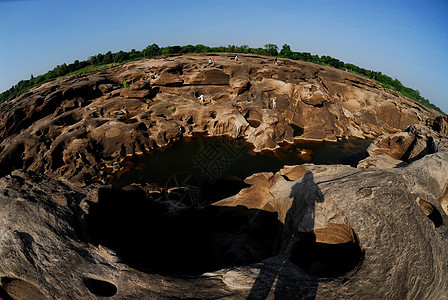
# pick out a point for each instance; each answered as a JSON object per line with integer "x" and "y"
{"x": 307, "y": 254}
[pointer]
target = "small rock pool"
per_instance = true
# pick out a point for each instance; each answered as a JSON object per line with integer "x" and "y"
{"x": 202, "y": 169}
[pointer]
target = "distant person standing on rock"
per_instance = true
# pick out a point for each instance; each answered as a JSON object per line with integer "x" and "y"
{"x": 274, "y": 103}
{"x": 236, "y": 58}
{"x": 201, "y": 99}
{"x": 209, "y": 61}
{"x": 275, "y": 61}
{"x": 213, "y": 60}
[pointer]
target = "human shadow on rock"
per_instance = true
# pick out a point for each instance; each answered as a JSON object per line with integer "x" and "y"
{"x": 299, "y": 219}
{"x": 147, "y": 236}
{"x": 307, "y": 255}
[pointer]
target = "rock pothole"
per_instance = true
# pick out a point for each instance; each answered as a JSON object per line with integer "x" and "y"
{"x": 431, "y": 212}
{"x": 100, "y": 288}
{"x": 14, "y": 288}
{"x": 148, "y": 236}
{"x": 298, "y": 131}
{"x": 328, "y": 252}
{"x": 253, "y": 117}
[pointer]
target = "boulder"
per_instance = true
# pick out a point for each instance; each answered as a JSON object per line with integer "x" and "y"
{"x": 313, "y": 95}
{"x": 167, "y": 79}
{"x": 394, "y": 145}
{"x": 413, "y": 143}
{"x": 382, "y": 160}
{"x": 209, "y": 77}
{"x": 440, "y": 125}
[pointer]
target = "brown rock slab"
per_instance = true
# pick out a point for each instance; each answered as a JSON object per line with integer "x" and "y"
{"x": 293, "y": 172}
{"x": 382, "y": 160}
{"x": 168, "y": 79}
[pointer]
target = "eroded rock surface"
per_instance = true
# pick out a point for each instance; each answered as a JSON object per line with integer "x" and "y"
{"x": 306, "y": 231}
{"x": 77, "y": 126}
{"x": 398, "y": 149}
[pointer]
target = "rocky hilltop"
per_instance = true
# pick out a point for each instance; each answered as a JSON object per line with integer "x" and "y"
{"x": 77, "y": 126}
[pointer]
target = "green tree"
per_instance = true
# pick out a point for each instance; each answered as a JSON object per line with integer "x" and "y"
{"x": 108, "y": 58}
{"x": 187, "y": 49}
{"x": 99, "y": 58}
{"x": 151, "y": 51}
{"x": 286, "y": 51}
{"x": 260, "y": 51}
{"x": 201, "y": 49}
{"x": 230, "y": 48}
{"x": 166, "y": 50}
{"x": 243, "y": 49}
{"x": 92, "y": 60}
{"x": 120, "y": 56}
{"x": 271, "y": 49}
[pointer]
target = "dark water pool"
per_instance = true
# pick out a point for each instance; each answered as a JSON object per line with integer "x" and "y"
{"x": 212, "y": 168}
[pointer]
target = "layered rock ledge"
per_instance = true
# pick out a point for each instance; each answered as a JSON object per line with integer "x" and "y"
{"x": 76, "y": 126}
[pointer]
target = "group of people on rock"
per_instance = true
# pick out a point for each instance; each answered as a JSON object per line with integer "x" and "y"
{"x": 211, "y": 61}
{"x": 274, "y": 101}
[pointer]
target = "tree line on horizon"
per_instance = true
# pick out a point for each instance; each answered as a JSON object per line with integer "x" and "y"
{"x": 154, "y": 50}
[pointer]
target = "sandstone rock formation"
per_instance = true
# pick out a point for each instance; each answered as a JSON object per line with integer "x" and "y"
{"x": 305, "y": 232}
{"x": 78, "y": 126}
{"x": 400, "y": 148}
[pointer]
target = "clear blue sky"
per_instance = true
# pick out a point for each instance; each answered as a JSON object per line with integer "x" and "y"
{"x": 407, "y": 40}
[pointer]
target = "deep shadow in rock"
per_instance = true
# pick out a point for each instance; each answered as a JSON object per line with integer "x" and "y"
{"x": 253, "y": 123}
{"x": 186, "y": 194}
{"x": 316, "y": 253}
{"x": 14, "y": 288}
{"x": 253, "y": 117}
{"x": 298, "y": 131}
{"x": 431, "y": 212}
{"x": 4, "y": 295}
{"x": 324, "y": 252}
{"x": 100, "y": 287}
{"x": 221, "y": 188}
{"x": 299, "y": 219}
{"x": 325, "y": 259}
{"x": 153, "y": 92}
{"x": 14, "y": 160}
{"x": 409, "y": 156}
{"x": 146, "y": 236}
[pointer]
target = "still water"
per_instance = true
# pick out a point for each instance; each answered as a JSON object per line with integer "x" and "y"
{"x": 215, "y": 167}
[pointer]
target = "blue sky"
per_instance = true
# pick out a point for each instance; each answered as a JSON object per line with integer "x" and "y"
{"x": 407, "y": 40}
